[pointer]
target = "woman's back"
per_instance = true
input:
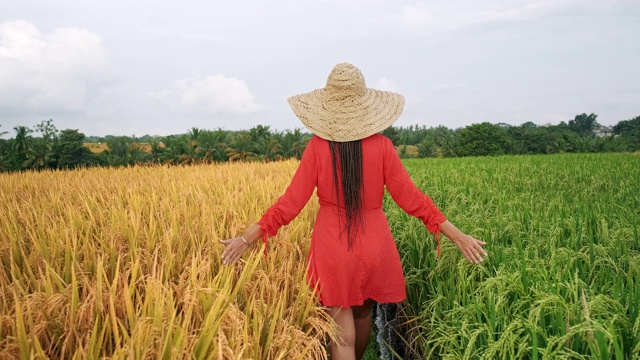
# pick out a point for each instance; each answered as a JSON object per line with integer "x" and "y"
{"x": 373, "y": 151}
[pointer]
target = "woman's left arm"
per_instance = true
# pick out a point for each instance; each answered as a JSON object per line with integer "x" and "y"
{"x": 470, "y": 247}
{"x": 412, "y": 200}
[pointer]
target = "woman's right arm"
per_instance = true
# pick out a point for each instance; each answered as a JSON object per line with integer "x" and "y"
{"x": 285, "y": 209}
{"x": 234, "y": 248}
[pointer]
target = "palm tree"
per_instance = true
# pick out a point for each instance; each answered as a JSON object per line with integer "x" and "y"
{"x": 188, "y": 157}
{"x": 259, "y": 133}
{"x": 137, "y": 155}
{"x": 38, "y": 155}
{"x": 171, "y": 150}
{"x": 179, "y": 150}
{"x": 295, "y": 143}
{"x": 210, "y": 146}
{"x": 21, "y": 144}
{"x": 194, "y": 136}
{"x": 3, "y": 132}
{"x": 157, "y": 148}
{"x": 242, "y": 148}
{"x": 223, "y": 138}
{"x": 272, "y": 149}
{"x": 4, "y": 155}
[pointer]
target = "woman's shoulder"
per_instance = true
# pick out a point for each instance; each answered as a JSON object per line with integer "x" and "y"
{"x": 315, "y": 141}
{"x": 378, "y": 139}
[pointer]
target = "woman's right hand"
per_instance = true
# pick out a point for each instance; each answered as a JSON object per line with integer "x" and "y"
{"x": 234, "y": 248}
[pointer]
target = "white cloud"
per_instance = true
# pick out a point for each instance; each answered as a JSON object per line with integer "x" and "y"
{"x": 430, "y": 17}
{"x": 415, "y": 15}
{"x": 49, "y": 72}
{"x": 387, "y": 85}
{"x": 451, "y": 86}
{"x": 521, "y": 12}
{"x": 210, "y": 95}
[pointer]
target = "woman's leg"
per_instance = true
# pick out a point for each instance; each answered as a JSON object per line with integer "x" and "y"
{"x": 345, "y": 350}
{"x": 362, "y": 322}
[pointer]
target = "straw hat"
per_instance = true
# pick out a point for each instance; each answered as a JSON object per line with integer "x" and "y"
{"x": 345, "y": 109}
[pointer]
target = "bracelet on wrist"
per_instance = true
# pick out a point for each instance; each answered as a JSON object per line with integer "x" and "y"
{"x": 245, "y": 240}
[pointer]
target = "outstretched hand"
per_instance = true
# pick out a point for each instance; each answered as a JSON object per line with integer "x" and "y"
{"x": 471, "y": 248}
{"x": 234, "y": 248}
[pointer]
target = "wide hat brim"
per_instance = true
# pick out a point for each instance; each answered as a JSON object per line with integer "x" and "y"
{"x": 348, "y": 118}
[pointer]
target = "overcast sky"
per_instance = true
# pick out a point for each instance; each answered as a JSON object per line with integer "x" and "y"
{"x": 159, "y": 67}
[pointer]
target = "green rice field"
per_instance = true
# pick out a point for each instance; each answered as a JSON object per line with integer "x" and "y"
{"x": 562, "y": 280}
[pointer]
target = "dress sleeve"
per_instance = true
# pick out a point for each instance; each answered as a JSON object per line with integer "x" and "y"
{"x": 407, "y": 195}
{"x": 289, "y": 205}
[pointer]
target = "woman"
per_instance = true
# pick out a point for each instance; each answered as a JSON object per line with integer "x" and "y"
{"x": 353, "y": 259}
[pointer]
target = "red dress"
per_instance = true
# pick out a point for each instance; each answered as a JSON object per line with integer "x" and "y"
{"x": 371, "y": 268}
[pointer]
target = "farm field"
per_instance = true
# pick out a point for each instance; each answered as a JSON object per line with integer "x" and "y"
{"x": 563, "y": 273}
{"x": 125, "y": 262}
{"x": 96, "y": 148}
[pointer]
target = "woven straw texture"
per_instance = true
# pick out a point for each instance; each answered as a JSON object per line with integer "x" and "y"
{"x": 345, "y": 109}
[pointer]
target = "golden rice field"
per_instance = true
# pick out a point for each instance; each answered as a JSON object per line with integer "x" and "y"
{"x": 96, "y": 148}
{"x": 125, "y": 263}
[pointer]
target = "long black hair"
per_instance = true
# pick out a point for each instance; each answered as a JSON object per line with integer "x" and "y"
{"x": 348, "y": 157}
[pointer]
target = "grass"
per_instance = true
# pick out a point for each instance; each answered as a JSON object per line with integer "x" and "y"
{"x": 563, "y": 268}
{"x": 125, "y": 263}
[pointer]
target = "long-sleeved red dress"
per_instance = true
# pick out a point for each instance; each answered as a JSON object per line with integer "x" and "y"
{"x": 371, "y": 268}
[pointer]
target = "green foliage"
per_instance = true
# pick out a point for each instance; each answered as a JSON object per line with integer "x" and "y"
{"x": 576, "y": 136}
{"x": 72, "y": 151}
{"x": 295, "y": 142}
{"x": 529, "y": 139}
{"x": 436, "y": 142}
{"x": 483, "y": 139}
{"x": 242, "y": 147}
{"x": 584, "y": 125}
{"x": 21, "y": 143}
{"x": 126, "y": 151}
{"x": 392, "y": 133}
{"x": 5, "y": 154}
{"x": 212, "y": 146}
{"x": 629, "y": 129}
{"x": 561, "y": 279}
{"x": 39, "y": 148}
{"x": 39, "y": 154}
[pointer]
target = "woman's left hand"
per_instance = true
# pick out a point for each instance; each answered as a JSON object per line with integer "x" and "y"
{"x": 471, "y": 248}
{"x": 234, "y": 249}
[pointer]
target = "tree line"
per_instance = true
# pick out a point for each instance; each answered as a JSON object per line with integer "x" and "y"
{"x": 45, "y": 147}
{"x": 575, "y": 136}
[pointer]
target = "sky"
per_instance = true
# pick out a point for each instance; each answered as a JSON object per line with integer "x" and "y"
{"x": 160, "y": 67}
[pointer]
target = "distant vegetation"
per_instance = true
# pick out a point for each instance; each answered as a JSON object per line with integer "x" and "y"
{"x": 44, "y": 147}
